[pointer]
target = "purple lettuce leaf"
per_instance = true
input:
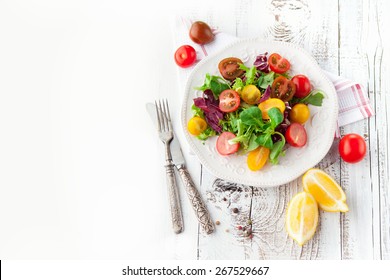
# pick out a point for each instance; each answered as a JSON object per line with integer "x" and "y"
{"x": 261, "y": 63}
{"x": 210, "y": 106}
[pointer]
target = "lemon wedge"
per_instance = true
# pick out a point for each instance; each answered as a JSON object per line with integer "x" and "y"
{"x": 328, "y": 194}
{"x": 302, "y": 217}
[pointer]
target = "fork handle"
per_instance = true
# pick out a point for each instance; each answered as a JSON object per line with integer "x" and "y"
{"x": 174, "y": 201}
{"x": 201, "y": 212}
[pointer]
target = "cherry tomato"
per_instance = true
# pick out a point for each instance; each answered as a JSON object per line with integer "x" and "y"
{"x": 278, "y": 64}
{"x": 229, "y": 100}
{"x": 223, "y": 146}
{"x": 299, "y": 113}
{"x": 251, "y": 94}
{"x": 352, "y": 148}
{"x": 302, "y": 84}
{"x": 196, "y": 125}
{"x": 296, "y": 135}
{"x": 185, "y": 56}
{"x": 283, "y": 89}
{"x": 230, "y": 68}
{"x": 201, "y": 33}
{"x": 271, "y": 103}
{"x": 257, "y": 158}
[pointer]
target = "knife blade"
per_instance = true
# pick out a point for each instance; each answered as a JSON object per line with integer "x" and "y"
{"x": 197, "y": 203}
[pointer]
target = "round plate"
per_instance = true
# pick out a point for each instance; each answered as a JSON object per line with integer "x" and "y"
{"x": 320, "y": 127}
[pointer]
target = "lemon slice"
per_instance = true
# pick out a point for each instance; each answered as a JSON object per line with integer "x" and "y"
{"x": 302, "y": 217}
{"x": 329, "y": 195}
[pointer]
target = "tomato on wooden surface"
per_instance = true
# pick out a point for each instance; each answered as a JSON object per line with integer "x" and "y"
{"x": 230, "y": 68}
{"x": 229, "y": 100}
{"x": 185, "y": 56}
{"x": 299, "y": 113}
{"x": 283, "y": 89}
{"x": 251, "y": 94}
{"x": 271, "y": 103}
{"x": 257, "y": 158}
{"x": 223, "y": 146}
{"x": 278, "y": 64}
{"x": 201, "y": 33}
{"x": 302, "y": 84}
{"x": 196, "y": 125}
{"x": 352, "y": 148}
{"x": 296, "y": 135}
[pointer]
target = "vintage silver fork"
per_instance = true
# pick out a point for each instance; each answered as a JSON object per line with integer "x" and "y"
{"x": 165, "y": 132}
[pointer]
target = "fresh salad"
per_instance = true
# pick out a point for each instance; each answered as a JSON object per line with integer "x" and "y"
{"x": 256, "y": 110}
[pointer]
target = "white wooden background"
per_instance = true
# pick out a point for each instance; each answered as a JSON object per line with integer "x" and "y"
{"x": 81, "y": 167}
{"x": 347, "y": 38}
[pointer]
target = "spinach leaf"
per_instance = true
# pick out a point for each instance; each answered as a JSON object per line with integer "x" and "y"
{"x": 215, "y": 83}
{"x": 265, "y": 140}
{"x": 252, "y": 116}
{"x": 277, "y": 150}
{"x": 275, "y": 116}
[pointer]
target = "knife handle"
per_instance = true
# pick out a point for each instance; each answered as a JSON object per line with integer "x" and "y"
{"x": 174, "y": 201}
{"x": 201, "y": 212}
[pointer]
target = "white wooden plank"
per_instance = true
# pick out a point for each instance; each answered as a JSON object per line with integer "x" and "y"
{"x": 357, "y": 224}
{"x": 382, "y": 105}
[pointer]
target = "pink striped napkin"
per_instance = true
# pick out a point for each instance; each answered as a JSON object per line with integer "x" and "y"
{"x": 354, "y": 104}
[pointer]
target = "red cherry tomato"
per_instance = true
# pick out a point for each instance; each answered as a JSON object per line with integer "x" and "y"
{"x": 230, "y": 68}
{"x": 278, "y": 64}
{"x": 296, "y": 135}
{"x": 201, "y": 33}
{"x": 352, "y": 148}
{"x": 283, "y": 89}
{"x": 185, "y": 56}
{"x": 223, "y": 146}
{"x": 229, "y": 100}
{"x": 302, "y": 84}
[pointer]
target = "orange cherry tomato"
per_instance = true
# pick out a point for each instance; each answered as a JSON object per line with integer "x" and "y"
{"x": 271, "y": 103}
{"x": 299, "y": 113}
{"x": 257, "y": 158}
{"x": 196, "y": 125}
{"x": 251, "y": 94}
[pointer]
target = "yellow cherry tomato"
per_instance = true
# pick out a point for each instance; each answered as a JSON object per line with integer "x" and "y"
{"x": 299, "y": 113}
{"x": 271, "y": 103}
{"x": 196, "y": 126}
{"x": 257, "y": 158}
{"x": 251, "y": 94}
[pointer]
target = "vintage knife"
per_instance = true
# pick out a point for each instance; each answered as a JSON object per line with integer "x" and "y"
{"x": 197, "y": 203}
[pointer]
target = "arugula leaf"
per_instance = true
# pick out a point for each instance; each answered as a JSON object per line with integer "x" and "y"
{"x": 238, "y": 84}
{"x": 197, "y": 111}
{"x": 250, "y": 74}
{"x": 252, "y": 116}
{"x": 206, "y": 134}
{"x": 275, "y": 116}
{"x": 215, "y": 83}
{"x": 314, "y": 98}
{"x": 266, "y": 80}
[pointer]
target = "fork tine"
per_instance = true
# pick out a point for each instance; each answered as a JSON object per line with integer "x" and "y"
{"x": 163, "y": 115}
{"x": 158, "y": 116}
{"x": 168, "y": 115}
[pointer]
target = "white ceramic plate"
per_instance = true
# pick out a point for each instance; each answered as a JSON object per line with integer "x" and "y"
{"x": 320, "y": 127}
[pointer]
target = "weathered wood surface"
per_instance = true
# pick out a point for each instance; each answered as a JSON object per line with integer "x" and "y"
{"x": 345, "y": 38}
